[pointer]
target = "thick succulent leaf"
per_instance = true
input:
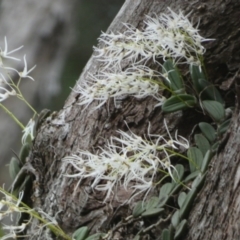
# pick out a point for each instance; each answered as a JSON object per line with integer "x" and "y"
{"x": 152, "y": 212}
{"x": 138, "y": 209}
{"x": 202, "y": 143}
{"x": 178, "y": 174}
{"x": 181, "y": 229}
{"x": 196, "y": 74}
{"x": 208, "y": 131}
{"x": 209, "y": 91}
{"x": 214, "y": 109}
{"x": 166, "y": 189}
{"x": 184, "y": 210}
{"x": 176, "y": 83}
{"x": 175, "y": 219}
{"x": 166, "y": 234}
{"x": 206, "y": 160}
{"x": 14, "y": 167}
{"x": 181, "y": 199}
{"x": 191, "y": 176}
{"x": 80, "y": 234}
{"x": 224, "y": 127}
{"x": 152, "y": 203}
{"x": 196, "y": 158}
{"x": 179, "y": 102}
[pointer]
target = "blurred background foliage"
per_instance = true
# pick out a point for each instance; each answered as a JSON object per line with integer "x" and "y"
{"x": 93, "y": 16}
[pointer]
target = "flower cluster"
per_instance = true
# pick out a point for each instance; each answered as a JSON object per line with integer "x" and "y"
{"x": 128, "y": 161}
{"x": 137, "y": 81}
{"x": 13, "y": 207}
{"x": 8, "y": 86}
{"x": 169, "y": 36}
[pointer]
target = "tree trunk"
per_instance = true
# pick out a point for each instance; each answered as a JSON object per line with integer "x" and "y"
{"x": 215, "y": 210}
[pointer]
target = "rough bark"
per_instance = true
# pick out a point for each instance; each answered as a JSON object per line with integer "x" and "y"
{"x": 72, "y": 128}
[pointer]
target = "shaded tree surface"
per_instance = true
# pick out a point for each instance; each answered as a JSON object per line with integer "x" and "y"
{"x": 215, "y": 211}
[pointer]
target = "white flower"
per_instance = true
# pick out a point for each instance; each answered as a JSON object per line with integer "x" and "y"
{"x": 137, "y": 81}
{"x": 5, "y": 54}
{"x": 6, "y": 94}
{"x": 25, "y": 72}
{"x": 28, "y": 131}
{"x": 128, "y": 160}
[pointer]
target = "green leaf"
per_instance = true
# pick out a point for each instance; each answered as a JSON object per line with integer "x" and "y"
{"x": 178, "y": 175}
{"x": 214, "y": 109}
{"x": 152, "y": 212}
{"x": 166, "y": 189}
{"x": 206, "y": 160}
{"x": 176, "y": 83}
{"x": 175, "y": 219}
{"x": 208, "y": 131}
{"x": 224, "y": 127}
{"x": 202, "y": 143}
{"x": 96, "y": 236}
{"x": 181, "y": 229}
{"x": 209, "y": 91}
{"x": 196, "y": 158}
{"x": 179, "y": 102}
{"x": 14, "y": 167}
{"x": 196, "y": 74}
{"x": 152, "y": 202}
{"x": 80, "y": 234}
{"x": 137, "y": 237}
{"x": 139, "y": 209}
{"x": 191, "y": 176}
{"x": 184, "y": 210}
{"x": 24, "y": 151}
{"x": 198, "y": 181}
{"x": 166, "y": 234}
{"x": 181, "y": 199}
{"x": 215, "y": 146}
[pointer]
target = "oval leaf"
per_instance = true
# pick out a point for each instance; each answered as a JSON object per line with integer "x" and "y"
{"x": 181, "y": 229}
{"x": 14, "y": 167}
{"x": 202, "y": 143}
{"x": 166, "y": 234}
{"x": 152, "y": 202}
{"x": 206, "y": 160}
{"x": 196, "y": 74}
{"x": 196, "y": 158}
{"x": 166, "y": 189}
{"x": 209, "y": 91}
{"x": 184, "y": 210}
{"x": 178, "y": 102}
{"x": 176, "y": 83}
{"x": 214, "y": 109}
{"x": 178, "y": 174}
{"x": 96, "y": 236}
{"x": 224, "y": 127}
{"x": 175, "y": 219}
{"x": 208, "y": 131}
{"x": 181, "y": 198}
{"x": 138, "y": 209}
{"x": 80, "y": 234}
{"x": 152, "y": 212}
{"x": 191, "y": 176}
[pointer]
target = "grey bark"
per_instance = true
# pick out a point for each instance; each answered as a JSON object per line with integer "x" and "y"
{"x": 72, "y": 128}
{"x": 46, "y": 30}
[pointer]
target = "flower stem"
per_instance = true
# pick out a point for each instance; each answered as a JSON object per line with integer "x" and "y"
{"x": 12, "y": 116}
